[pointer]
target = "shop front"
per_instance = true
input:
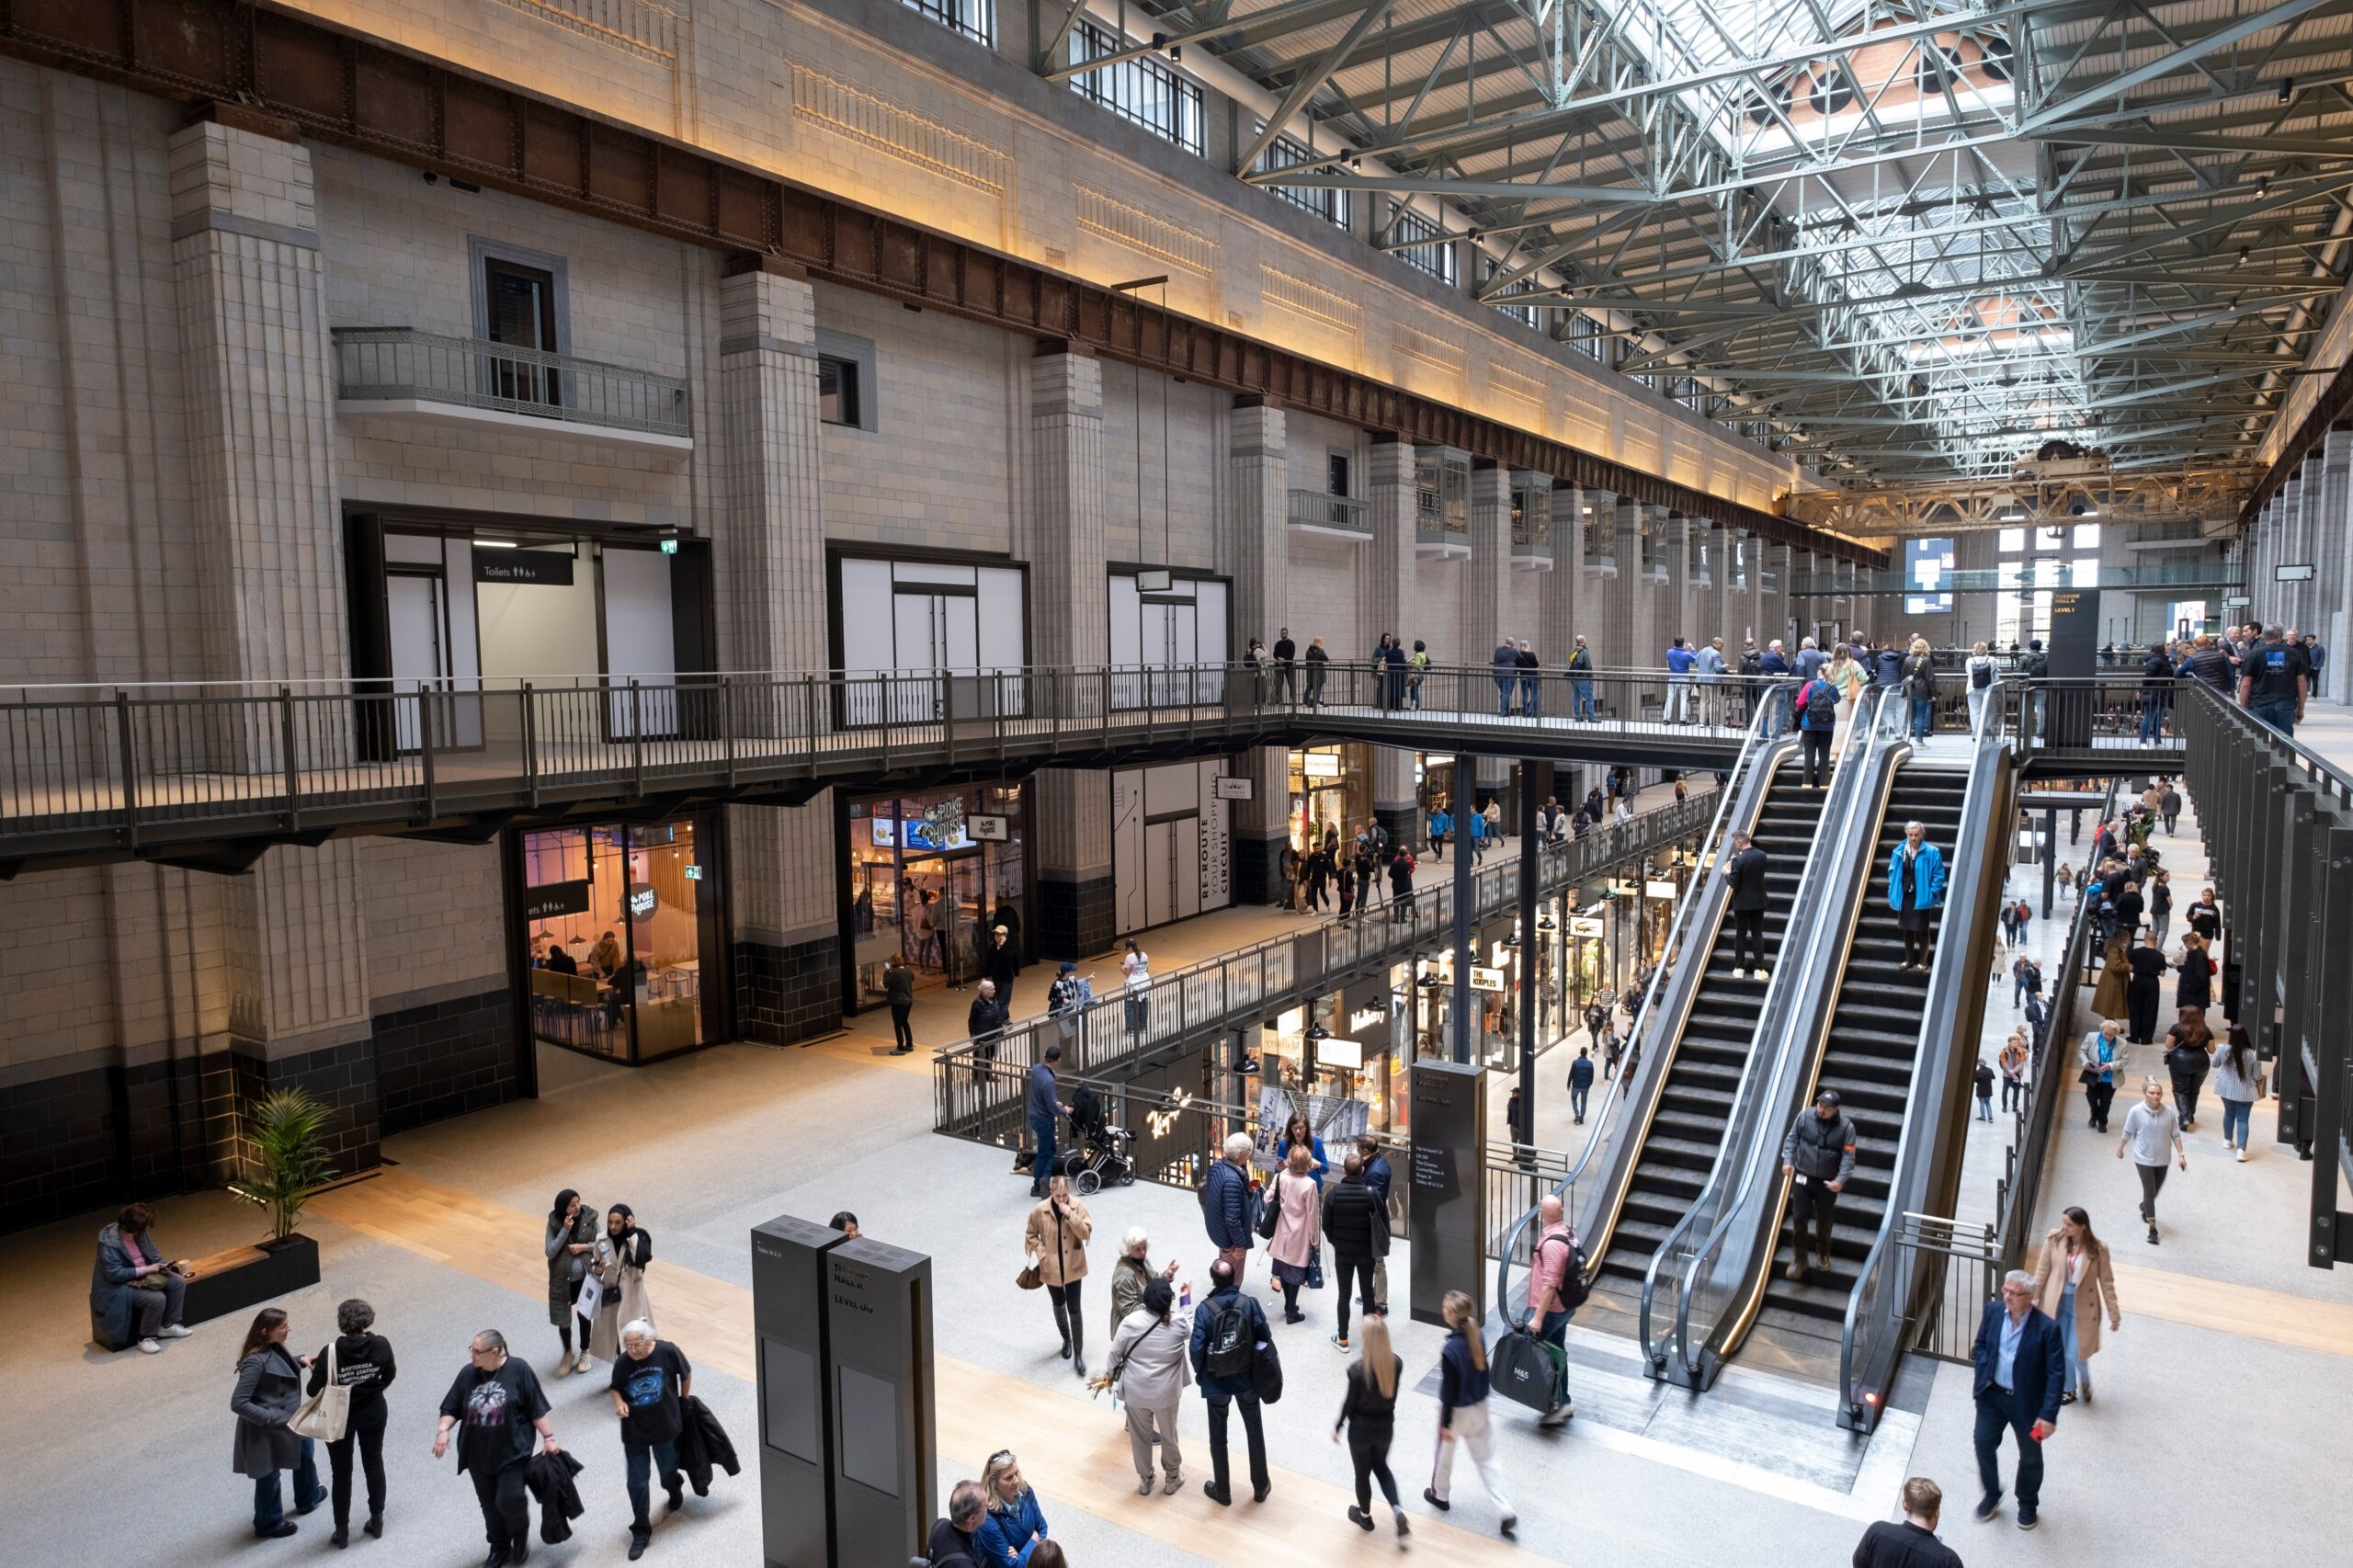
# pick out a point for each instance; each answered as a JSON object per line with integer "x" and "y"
{"x": 618, "y": 936}
{"x": 929, "y": 876}
{"x": 1338, "y": 1059}
{"x": 1330, "y": 787}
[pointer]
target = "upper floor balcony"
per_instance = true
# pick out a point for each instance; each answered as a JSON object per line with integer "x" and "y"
{"x": 398, "y": 372}
{"x": 1341, "y": 516}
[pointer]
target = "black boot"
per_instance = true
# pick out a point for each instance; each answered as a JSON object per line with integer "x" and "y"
{"x": 1078, "y": 1345}
{"x": 1062, "y": 1322}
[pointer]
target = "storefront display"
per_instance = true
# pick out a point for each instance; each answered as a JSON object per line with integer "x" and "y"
{"x": 1339, "y": 1048}
{"x": 929, "y": 876}
{"x": 615, "y": 923}
{"x": 1330, "y": 787}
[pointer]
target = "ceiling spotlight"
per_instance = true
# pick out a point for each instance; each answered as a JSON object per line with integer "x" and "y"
{"x": 2244, "y": 251}
{"x": 2262, "y": 184}
{"x": 2287, "y": 88}
{"x": 1176, "y": 53}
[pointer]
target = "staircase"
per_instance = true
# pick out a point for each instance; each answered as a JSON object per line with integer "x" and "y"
{"x": 1696, "y": 1100}
{"x": 1872, "y": 1037}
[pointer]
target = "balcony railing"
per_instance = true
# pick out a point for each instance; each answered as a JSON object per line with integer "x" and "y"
{"x": 398, "y": 364}
{"x": 1343, "y": 516}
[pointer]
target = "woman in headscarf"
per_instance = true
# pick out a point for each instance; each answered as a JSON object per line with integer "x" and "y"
{"x": 622, "y": 1253}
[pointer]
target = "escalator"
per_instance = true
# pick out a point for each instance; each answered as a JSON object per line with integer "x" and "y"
{"x": 1870, "y": 1046}
{"x": 1702, "y": 1070}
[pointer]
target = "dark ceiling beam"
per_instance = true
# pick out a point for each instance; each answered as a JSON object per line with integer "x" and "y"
{"x": 356, "y": 91}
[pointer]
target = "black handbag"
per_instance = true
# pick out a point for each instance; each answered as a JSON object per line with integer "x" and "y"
{"x": 1270, "y": 1211}
{"x": 1266, "y": 1372}
{"x": 1526, "y": 1371}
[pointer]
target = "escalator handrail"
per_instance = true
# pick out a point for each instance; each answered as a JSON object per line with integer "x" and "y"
{"x": 1754, "y": 746}
{"x": 1941, "y": 1007}
{"x": 1788, "y": 977}
{"x": 1889, "y": 726}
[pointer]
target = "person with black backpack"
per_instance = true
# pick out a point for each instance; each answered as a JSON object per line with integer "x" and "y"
{"x": 1357, "y": 1224}
{"x": 1230, "y": 1337}
{"x": 1817, "y": 721}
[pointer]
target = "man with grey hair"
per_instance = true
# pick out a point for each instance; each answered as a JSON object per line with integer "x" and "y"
{"x": 952, "y": 1539}
{"x": 1130, "y": 1272}
{"x": 2020, "y": 1370}
{"x": 1912, "y": 1543}
{"x": 495, "y": 1407}
{"x": 1225, "y": 1203}
{"x": 1530, "y": 677}
{"x": 650, "y": 1384}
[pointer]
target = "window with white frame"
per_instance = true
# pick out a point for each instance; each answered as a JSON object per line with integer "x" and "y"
{"x": 1144, "y": 90}
{"x": 976, "y": 19}
{"x": 1424, "y": 244}
{"x": 1283, "y": 152}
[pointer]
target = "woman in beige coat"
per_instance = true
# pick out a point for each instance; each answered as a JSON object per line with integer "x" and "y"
{"x": 1056, "y": 1240}
{"x": 620, "y": 1260}
{"x": 2073, "y": 1283}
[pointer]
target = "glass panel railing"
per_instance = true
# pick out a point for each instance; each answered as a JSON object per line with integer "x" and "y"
{"x": 1696, "y": 1281}
{"x": 1879, "y": 1304}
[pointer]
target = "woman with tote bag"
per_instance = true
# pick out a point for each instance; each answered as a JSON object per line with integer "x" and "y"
{"x": 348, "y": 1384}
{"x": 268, "y": 1393}
{"x": 618, "y": 1275}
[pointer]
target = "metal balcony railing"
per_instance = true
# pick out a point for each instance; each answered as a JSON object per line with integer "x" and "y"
{"x": 382, "y": 364}
{"x": 1342, "y": 515}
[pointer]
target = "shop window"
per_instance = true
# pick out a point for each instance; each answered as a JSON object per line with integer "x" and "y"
{"x": 931, "y": 876}
{"x": 615, "y": 925}
{"x": 846, "y": 380}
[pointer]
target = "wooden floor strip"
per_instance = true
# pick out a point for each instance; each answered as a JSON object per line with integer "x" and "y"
{"x": 1082, "y": 1445}
{"x": 2250, "y": 1311}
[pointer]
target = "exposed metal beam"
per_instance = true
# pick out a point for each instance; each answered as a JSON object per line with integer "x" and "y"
{"x": 2188, "y": 53}
{"x": 1311, "y": 80}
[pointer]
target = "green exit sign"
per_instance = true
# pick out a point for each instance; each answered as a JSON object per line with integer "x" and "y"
{"x": 669, "y": 547}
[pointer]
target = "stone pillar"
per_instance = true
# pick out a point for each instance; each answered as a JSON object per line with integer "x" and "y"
{"x": 2304, "y": 603}
{"x": 1559, "y": 596}
{"x": 1070, "y": 613}
{"x": 1626, "y": 599}
{"x": 769, "y": 540}
{"x": 1740, "y": 591}
{"x": 1257, "y": 558}
{"x": 257, "y": 374}
{"x": 1390, "y": 570}
{"x": 2333, "y": 562}
{"x": 1486, "y": 583}
{"x": 1679, "y": 612}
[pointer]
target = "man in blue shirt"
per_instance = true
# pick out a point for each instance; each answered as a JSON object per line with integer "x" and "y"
{"x": 1679, "y": 682}
{"x": 1709, "y": 660}
{"x": 1042, "y": 1108}
{"x": 2020, "y": 1372}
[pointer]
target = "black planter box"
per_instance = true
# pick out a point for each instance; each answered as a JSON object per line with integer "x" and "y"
{"x": 247, "y": 1277}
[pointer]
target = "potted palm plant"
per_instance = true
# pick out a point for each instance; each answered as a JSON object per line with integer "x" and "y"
{"x": 287, "y": 1132}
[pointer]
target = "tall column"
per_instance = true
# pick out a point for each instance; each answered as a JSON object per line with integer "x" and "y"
{"x": 1740, "y": 590}
{"x": 1071, "y": 615}
{"x": 1678, "y": 602}
{"x": 1559, "y": 594}
{"x": 257, "y": 365}
{"x": 1394, "y": 493}
{"x": 769, "y": 538}
{"x": 2306, "y": 605}
{"x": 2333, "y": 562}
{"x": 1486, "y": 584}
{"x": 1257, "y": 558}
{"x": 1626, "y": 599}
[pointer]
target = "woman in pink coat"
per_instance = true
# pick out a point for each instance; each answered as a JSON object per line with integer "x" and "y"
{"x": 1297, "y": 1223}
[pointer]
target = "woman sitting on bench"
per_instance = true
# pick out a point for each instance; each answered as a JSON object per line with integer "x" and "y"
{"x": 135, "y": 1293}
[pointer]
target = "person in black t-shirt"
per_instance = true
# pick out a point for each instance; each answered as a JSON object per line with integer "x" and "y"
{"x": 651, "y": 1381}
{"x": 363, "y": 1363}
{"x": 1912, "y": 1543}
{"x": 495, "y": 1407}
{"x": 2272, "y": 681}
{"x": 2148, "y": 961}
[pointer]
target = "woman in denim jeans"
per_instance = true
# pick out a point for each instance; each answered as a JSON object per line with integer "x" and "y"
{"x": 1919, "y": 685}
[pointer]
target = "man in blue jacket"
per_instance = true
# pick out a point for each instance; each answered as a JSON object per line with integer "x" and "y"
{"x": 1044, "y": 1105}
{"x": 1225, "y": 1205}
{"x": 2021, "y": 1372}
{"x": 1226, "y": 1327}
{"x": 1776, "y": 662}
{"x": 1376, "y": 1180}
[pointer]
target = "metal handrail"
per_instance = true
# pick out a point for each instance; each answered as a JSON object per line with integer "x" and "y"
{"x": 1204, "y": 989}
{"x": 377, "y": 363}
{"x": 1760, "y": 738}
{"x": 1756, "y": 1098}
{"x": 1954, "y": 969}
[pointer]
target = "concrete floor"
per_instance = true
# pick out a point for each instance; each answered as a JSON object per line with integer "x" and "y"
{"x": 2206, "y": 1444}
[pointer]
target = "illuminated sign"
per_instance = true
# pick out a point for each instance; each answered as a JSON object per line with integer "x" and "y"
{"x": 1483, "y": 979}
{"x": 641, "y": 902}
{"x": 1332, "y": 1052}
{"x": 1584, "y": 925}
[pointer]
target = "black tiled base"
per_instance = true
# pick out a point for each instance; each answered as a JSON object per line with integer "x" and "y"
{"x": 1258, "y": 869}
{"x": 445, "y": 1059}
{"x": 1074, "y": 918}
{"x": 785, "y": 994}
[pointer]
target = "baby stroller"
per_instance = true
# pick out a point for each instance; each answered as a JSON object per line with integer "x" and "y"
{"x": 1098, "y": 1156}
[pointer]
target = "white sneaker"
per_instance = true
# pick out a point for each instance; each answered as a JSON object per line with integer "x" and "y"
{"x": 175, "y": 1331}
{"x": 584, "y": 1366}
{"x": 151, "y": 1347}
{"x": 2241, "y": 1156}
{"x": 1761, "y": 975}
